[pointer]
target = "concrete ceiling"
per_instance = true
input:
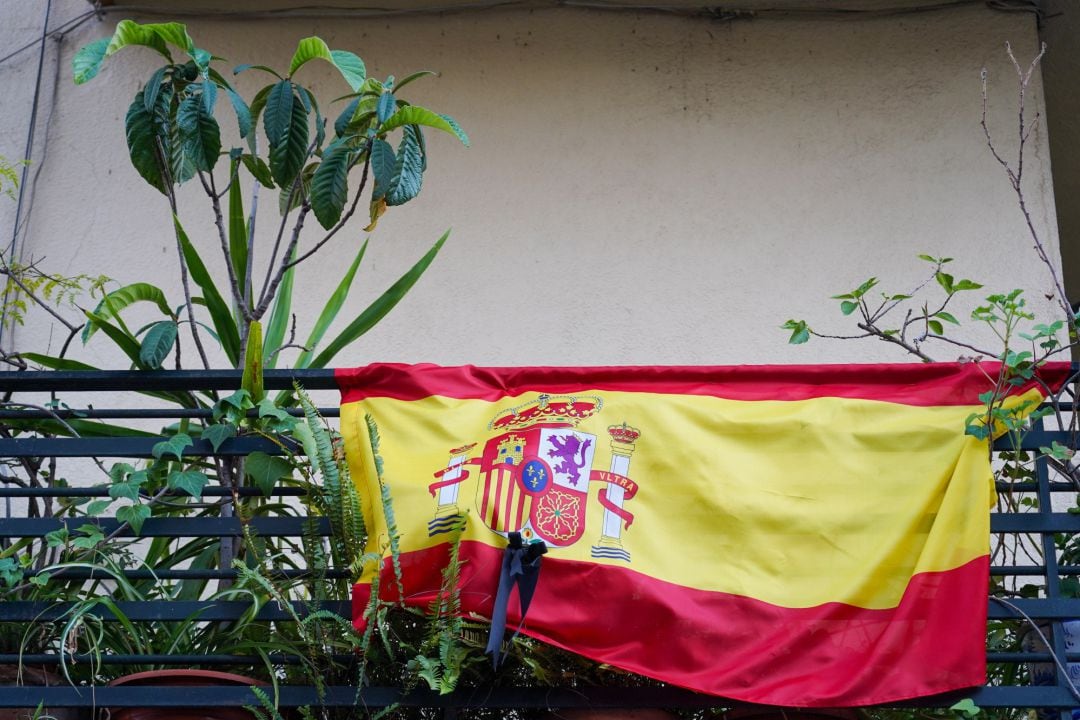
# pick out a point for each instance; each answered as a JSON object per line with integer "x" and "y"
{"x": 730, "y": 8}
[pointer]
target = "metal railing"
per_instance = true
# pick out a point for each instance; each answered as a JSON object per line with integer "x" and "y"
{"x": 1040, "y": 522}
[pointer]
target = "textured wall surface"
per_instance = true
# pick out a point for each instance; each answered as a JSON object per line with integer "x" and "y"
{"x": 641, "y": 188}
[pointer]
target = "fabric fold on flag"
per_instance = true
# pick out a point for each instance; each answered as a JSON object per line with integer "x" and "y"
{"x": 805, "y": 536}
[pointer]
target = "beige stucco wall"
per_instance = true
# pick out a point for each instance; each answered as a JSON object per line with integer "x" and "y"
{"x": 641, "y": 188}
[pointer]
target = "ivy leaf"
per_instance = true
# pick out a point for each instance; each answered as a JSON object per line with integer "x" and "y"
{"x": 173, "y": 446}
{"x": 408, "y": 170}
{"x": 98, "y": 506}
{"x": 190, "y": 481}
{"x": 158, "y": 343}
{"x": 265, "y": 470}
{"x": 133, "y": 515}
{"x": 800, "y": 333}
{"x": 219, "y": 433}
{"x": 966, "y": 706}
{"x": 329, "y": 185}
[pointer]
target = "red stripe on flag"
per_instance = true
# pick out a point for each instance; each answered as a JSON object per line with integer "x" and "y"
{"x": 832, "y": 655}
{"x": 907, "y": 383}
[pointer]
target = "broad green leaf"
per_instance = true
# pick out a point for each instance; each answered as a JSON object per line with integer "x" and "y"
{"x": 220, "y": 313}
{"x": 331, "y": 309}
{"x": 173, "y": 446}
{"x": 130, "y": 33}
{"x": 142, "y": 141}
{"x": 416, "y": 115}
{"x": 307, "y": 49}
{"x": 153, "y": 88}
{"x": 202, "y": 59}
{"x": 288, "y": 154}
{"x": 173, "y": 33}
{"x": 848, "y": 306}
{"x": 124, "y": 297}
{"x": 378, "y": 309}
{"x": 133, "y": 515}
{"x": 280, "y": 314}
{"x": 158, "y": 343}
{"x": 408, "y": 169}
{"x": 277, "y": 116}
{"x": 966, "y": 285}
{"x": 265, "y": 470}
{"x": 243, "y": 114}
{"x": 258, "y": 169}
{"x": 945, "y": 280}
{"x": 87, "y": 61}
{"x": 199, "y": 133}
{"x": 208, "y": 96}
{"x": 341, "y": 125}
{"x": 125, "y": 341}
{"x": 190, "y": 481}
{"x": 350, "y": 66}
{"x": 385, "y": 107}
{"x": 935, "y": 327}
{"x": 219, "y": 433}
{"x": 329, "y": 185}
{"x": 383, "y": 161}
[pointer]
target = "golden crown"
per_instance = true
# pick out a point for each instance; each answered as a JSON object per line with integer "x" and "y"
{"x": 565, "y": 410}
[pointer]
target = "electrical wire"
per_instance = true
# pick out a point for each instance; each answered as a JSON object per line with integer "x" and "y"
{"x": 59, "y": 30}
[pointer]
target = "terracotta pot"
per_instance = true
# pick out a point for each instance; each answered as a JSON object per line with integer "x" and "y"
{"x": 34, "y": 677}
{"x": 762, "y": 712}
{"x": 617, "y": 714}
{"x": 182, "y": 678}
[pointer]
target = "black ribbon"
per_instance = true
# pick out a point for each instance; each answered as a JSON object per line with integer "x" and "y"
{"x": 521, "y": 567}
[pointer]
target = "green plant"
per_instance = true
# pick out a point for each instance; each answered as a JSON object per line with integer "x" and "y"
{"x": 922, "y": 320}
{"x": 174, "y": 137}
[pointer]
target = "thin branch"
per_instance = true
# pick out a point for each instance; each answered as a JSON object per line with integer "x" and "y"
{"x": 341, "y": 223}
{"x": 219, "y": 221}
{"x": 171, "y": 195}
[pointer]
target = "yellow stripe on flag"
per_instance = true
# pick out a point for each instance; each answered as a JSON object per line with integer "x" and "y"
{"x": 794, "y": 503}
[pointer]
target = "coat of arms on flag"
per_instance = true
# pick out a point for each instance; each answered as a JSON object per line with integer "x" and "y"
{"x": 534, "y": 475}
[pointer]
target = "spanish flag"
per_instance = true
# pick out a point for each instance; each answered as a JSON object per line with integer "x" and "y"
{"x": 804, "y": 536}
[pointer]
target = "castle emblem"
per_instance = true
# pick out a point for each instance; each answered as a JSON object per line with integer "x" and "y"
{"x": 534, "y": 476}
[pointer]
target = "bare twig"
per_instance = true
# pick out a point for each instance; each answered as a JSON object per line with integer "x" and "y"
{"x": 219, "y": 221}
